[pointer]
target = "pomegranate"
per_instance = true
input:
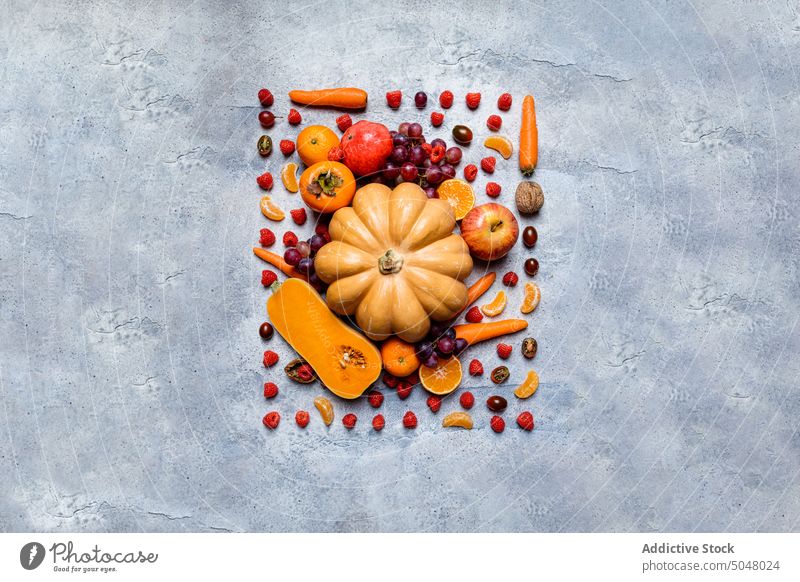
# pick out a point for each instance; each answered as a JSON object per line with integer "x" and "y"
{"x": 366, "y": 146}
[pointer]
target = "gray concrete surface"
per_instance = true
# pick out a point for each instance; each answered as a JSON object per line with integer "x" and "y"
{"x": 129, "y": 301}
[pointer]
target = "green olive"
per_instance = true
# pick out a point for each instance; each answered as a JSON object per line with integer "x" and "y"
{"x": 462, "y": 134}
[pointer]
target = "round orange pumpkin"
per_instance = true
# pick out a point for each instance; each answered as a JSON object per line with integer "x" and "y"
{"x": 314, "y": 143}
{"x": 394, "y": 262}
{"x": 327, "y": 186}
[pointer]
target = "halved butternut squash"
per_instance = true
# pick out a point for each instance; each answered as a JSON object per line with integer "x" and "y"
{"x": 345, "y": 361}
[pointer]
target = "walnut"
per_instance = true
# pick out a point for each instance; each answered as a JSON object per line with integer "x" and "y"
{"x": 530, "y": 197}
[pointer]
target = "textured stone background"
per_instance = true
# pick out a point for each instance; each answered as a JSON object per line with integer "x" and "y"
{"x": 129, "y": 301}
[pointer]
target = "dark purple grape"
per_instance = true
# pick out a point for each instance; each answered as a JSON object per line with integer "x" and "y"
{"x": 306, "y": 266}
{"x": 316, "y": 242}
{"x": 424, "y": 350}
{"x": 420, "y": 99}
{"x": 437, "y": 330}
{"x": 391, "y": 171}
{"x": 316, "y": 282}
{"x": 461, "y": 345}
{"x": 417, "y": 155}
{"x": 409, "y": 172}
{"x": 448, "y": 171}
{"x": 392, "y": 133}
{"x": 450, "y": 332}
{"x": 427, "y": 163}
{"x": 430, "y": 192}
{"x": 400, "y": 140}
{"x": 445, "y": 345}
{"x": 438, "y": 141}
{"x": 399, "y": 155}
{"x": 378, "y": 179}
{"x": 453, "y": 155}
{"x": 303, "y": 248}
{"x": 402, "y": 129}
{"x": 432, "y": 361}
{"x": 292, "y": 256}
{"x": 415, "y": 130}
{"x": 434, "y": 175}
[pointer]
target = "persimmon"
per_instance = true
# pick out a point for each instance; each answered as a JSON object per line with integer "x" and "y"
{"x": 327, "y": 186}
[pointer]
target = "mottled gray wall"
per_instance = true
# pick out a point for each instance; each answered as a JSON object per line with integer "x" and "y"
{"x": 129, "y": 301}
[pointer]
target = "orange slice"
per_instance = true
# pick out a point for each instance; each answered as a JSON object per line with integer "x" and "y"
{"x": 496, "y": 305}
{"x": 528, "y": 387}
{"x": 532, "y": 297}
{"x": 500, "y": 144}
{"x": 459, "y": 194}
{"x": 442, "y": 379}
{"x": 459, "y": 419}
{"x": 289, "y": 177}
{"x": 271, "y": 210}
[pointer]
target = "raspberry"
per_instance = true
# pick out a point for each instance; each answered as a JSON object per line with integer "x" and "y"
{"x": 497, "y": 424}
{"x": 495, "y": 122}
{"x": 493, "y": 189}
{"x": 437, "y": 118}
{"x": 305, "y": 372}
{"x": 378, "y": 422}
{"x": 467, "y": 400}
{"x": 504, "y": 350}
{"x": 488, "y": 163}
{"x": 525, "y": 420}
{"x": 301, "y": 418}
{"x": 375, "y": 398}
{"x": 404, "y": 388}
{"x": 434, "y": 403}
{"x": 322, "y": 230}
{"x": 335, "y": 154}
{"x": 473, "y": 100}
{"x": 270, "y": 390}
{"x": 475, "y": 368}
{"x": 270, "y": 358}
{"x": 410, "y": 420}
{"x": 437, "y": 153}
{"x": 413, "y": 378}
{"x": 393, "y": 99}
{"x": 265, "y": 181}
{"x": 287, "y": 147}
{"x": 349, "y": 421}
{"x": 510, "y": 279}
{"x": 470, "y": 172}
{"x": 504, "y": 102}
{"x": 268, "y": 277}
{"x": 446, "y": 99}
{"x": 299, "y": 215}
{"x": 266, "y": 237}
{"x": 294, "y": 117}
{"x": 271, "y": 420}
{"x": 474, "y": 315}
{"x": 265, "y": 98}
{"x": 344, "y": 121}
{"x": 289, "y": 239}
{"x": 389, "y": 380}
{"x": 427, "y": 148}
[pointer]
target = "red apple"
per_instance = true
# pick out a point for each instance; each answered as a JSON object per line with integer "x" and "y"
{"x": 490, "y": 230}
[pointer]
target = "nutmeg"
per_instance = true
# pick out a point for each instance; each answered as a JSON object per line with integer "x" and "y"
{"x": 530, "y": 197}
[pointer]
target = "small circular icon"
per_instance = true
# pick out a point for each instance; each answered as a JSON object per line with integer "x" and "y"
{"x": 31, "y": 555}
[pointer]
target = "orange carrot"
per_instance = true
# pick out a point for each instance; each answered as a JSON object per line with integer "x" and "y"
{"x": 477, "y": 289}
{"x": 528, "y": 137}
{"x": 278, "y": 262}
{"x": 343, "y": 98}
{"x": 478, "y": 332}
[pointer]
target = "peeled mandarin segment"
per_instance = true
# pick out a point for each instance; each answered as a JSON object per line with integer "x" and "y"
{"x": 458, "y": 419}
{"x": 442, "y": 379}
{"x": 459, "y": 194}
{"x": 528, "y": 387}
{"x": 325, "y": 408}
{"x": 289, "y": 177}
{"x": 500, "y": 144}
{"x": 271, "y": 210}
{"x": 496, "y": 306}
{"x": 532, "y": 297}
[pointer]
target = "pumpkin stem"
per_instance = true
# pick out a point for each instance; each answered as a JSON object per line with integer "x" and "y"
{"x": 391, "y": 262}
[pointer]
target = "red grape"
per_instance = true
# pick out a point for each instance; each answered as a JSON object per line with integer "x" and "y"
{"x": 415, "y": 130}
{"x": 434, "y": 175}
{"x": 453, "y": 155}
{"x": 417, "y": 155}
{"x": 420, "y": 100}
{"x": 409, "y": 172}
{"x": 399, "y": 155}
{"x": 390, "y": 171}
